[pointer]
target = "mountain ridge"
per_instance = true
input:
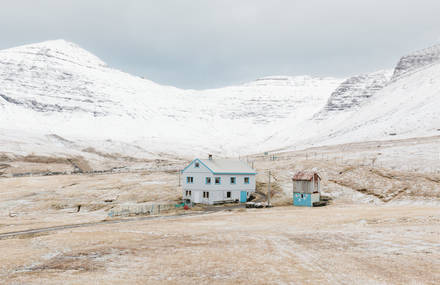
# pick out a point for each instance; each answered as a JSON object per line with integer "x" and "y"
{"x": 56, "y": 87}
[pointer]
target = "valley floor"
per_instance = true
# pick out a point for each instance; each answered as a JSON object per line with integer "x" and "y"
{"x": 338, "y": 244}
{"x": 382, "y": 226}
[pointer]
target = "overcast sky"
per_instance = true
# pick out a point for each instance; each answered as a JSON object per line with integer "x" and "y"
{"x": 205, "y": 44}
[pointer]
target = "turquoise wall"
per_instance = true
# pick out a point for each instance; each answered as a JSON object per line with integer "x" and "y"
{"x": 305, "y": 201}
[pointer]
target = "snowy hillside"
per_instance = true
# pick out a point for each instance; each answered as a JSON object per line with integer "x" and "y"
{"x": 56, "y": 87}
{"x": 406, "y": 106}
{"x": 353, "y": 92}
{"x": 417, "y": 60}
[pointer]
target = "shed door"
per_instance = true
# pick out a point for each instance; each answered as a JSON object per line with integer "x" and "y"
{"x": 243, "y": 196}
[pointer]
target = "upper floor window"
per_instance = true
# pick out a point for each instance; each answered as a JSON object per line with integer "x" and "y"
{"x": 217, "y": 180}
{"x": 233, "y": 180}
{"x": 246, "y": 180}
{"x": 208, "y": 180}
{"x": 189, "y": 179}
{"x": 196, "y": 165}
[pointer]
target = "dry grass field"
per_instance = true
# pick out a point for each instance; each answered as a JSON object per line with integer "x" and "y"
{"x": 381, "y": 227}
{"x": 285, "y": 245}
{"x": 32, "y": 202}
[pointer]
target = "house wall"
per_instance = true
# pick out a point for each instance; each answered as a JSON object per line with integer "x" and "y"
{"x": 217, "y": 192}
{"x": 315, "y": 197}
{"x": 306, "y": 199}
{"x": 306, "y": 186}
{"x": 302, "y": 187}
{"x": 214, "y": 196}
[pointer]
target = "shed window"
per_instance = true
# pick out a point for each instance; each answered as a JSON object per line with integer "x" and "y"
{"x": 246, "y": 180}
{"x": 208, "y": 180}
{"x": 217, "y": 180}
{"x": 206, "y": 195}
{"x": 189, "y": 179}
{"x": 196, "y": 165}
{"x": 233, "y": 180}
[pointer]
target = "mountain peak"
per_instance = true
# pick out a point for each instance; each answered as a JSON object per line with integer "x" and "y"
{"x": 57, "y": 50}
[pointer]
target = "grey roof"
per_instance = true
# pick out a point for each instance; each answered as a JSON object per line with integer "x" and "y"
{"x": 218, "y": 166}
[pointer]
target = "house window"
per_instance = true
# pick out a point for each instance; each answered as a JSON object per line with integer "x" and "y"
{"x": 217, "y": 180}
{"x": 228, "y": 194}
{"x": 189, "y": 179}
{"x": 188, "y": 193}
{"x": 196, "y": 165}
{"x": 302, "y": 196}
{"x": 206, "y": 195}
{"x": 246, "y": 180}
{"x": 233, "y": 180}
{"x": 208, "y": 180}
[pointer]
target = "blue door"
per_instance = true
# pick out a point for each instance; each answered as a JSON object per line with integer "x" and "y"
{"x": 243, "y": 196}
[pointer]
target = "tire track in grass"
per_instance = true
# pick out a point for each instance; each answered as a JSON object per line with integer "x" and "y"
{"x": 105, "y": 222}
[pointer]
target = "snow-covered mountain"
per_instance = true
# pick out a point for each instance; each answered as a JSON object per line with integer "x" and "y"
{"x": 417, "y": 60}
{"x": 408, "y": 105}
{"x": 353, "y": 92}
{"x": 56, "y": 87}
{"x": 55, "y": 91}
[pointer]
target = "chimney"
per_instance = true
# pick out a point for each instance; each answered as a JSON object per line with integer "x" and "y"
{"x": 210, "y": 156}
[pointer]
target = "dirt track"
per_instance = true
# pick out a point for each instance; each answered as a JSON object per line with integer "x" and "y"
{"x": 205, "y": 211}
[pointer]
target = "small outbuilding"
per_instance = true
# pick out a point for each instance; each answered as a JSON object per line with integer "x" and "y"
{"x": 306, "y": 188}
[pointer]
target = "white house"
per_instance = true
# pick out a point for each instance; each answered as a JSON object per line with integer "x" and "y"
{"x": 210, "y": 180}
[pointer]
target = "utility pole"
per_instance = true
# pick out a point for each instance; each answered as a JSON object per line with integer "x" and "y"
{"x": 179, "y": 176}
{"x": 268, "y": 191}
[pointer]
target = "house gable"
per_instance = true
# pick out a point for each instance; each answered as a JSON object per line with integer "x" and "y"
{"x": 216, "y": 169}
{"x": 192, "y": 167}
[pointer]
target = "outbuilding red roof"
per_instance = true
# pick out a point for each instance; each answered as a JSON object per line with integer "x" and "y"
{"x": 305, "y": 176}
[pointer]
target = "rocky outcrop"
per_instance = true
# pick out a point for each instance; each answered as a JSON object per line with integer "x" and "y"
{"x": 353, "y": 92}
{"x": 416, "y": 60}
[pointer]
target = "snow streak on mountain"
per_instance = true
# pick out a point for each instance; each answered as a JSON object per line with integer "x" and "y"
{"x": 55, "y": 92}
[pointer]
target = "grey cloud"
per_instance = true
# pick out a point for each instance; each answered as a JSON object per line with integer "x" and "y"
{"x": 203, "y": 44}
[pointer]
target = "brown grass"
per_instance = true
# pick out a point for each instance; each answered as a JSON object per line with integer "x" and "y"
{"x": 44, "y": 159}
